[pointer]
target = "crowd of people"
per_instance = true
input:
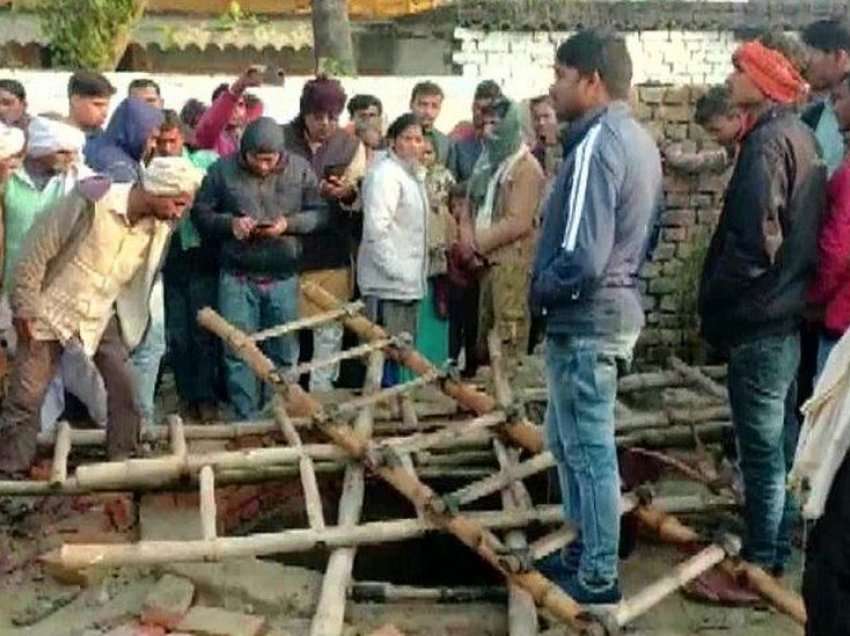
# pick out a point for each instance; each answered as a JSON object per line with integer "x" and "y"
{"x": 532, "y": 219}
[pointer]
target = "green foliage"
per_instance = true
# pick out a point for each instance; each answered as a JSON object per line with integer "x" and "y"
{"x": 333, "y": 67}
{"x": 88, "y": 33}
{"x": 687, "y": 281}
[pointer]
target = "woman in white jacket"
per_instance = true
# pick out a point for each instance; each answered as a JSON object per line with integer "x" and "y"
{"x": 392, "y": 265}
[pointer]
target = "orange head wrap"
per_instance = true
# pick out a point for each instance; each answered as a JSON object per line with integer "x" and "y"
{"x": 771, "y": 72}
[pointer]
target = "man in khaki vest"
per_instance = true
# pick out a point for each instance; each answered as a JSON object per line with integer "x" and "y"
{"x": 83, "y": 281}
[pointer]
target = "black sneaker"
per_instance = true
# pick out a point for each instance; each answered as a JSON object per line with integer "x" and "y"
{"x": 556, "y": 566}
{"x": 605, "y": 597}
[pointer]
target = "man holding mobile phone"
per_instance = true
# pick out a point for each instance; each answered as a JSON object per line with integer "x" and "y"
{"x": 254, "y": 205}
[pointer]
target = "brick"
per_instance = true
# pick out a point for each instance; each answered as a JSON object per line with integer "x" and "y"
{"x": 214, "y": 621}
{"x": 674, "y": 234}
{"x": 648, "y": 302}
{"x": 679, "y": 218}
{"x": 135, "y": 629}
{"x": 669, "y": 304}
{"x": 677, "y": 199}
{"x": 677, "y": 95}
{"x": 708, "y": 217}
{"x": 663, "y": 252}
{"x": 121, "y": 510}
{"x": 167, "y": 603}
{"x": 650, "y": 269}
{"x": 662, "y": 286}
{"x": 675, "y": 132}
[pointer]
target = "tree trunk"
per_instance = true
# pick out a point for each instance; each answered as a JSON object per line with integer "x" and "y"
{"x": 124, "y": 35}
{"x": 332, "y": 44}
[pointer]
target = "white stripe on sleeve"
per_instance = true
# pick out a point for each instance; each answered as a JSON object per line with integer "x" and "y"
{"x": 578, "y": 191}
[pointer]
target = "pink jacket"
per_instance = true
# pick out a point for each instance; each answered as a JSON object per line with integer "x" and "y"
{"x": 211, "y": 132}
{"x": 831, "y": 287}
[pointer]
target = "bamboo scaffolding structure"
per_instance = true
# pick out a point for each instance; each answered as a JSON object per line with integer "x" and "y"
{"x": 468, "y": 531}
{"x": 346, "y": 354}
{"x": 178, "y": 439}
{"x": 450, "y": 435}
{"x": 309, "y": 485}
{"x": 494, "y": 483}
{"x": 350, "y": 309}
{"x": 330, "y": 612}
{"x": 208, "y": 505}
{"x": 59, "y": 470}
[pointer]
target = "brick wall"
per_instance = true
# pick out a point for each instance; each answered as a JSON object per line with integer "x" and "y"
{"x": 675, "y": 57}
{"x": 692, "y": 206}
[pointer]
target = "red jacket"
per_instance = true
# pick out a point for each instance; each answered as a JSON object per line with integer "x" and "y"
{"x": 831, "y": 287}
{"x": 211, "y": 133}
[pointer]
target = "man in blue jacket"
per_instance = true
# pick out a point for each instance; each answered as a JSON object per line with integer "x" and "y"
{"x": 594, "y": 238}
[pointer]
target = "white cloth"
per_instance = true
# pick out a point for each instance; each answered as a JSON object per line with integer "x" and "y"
{"x": 46, "y": 136}
{"x": 825, "y": 436}
{"x": 11, "y": 141}
{"x": 484, "y": 214}
{"x": 392, "y": 261}
{"x": 171, "y": 176}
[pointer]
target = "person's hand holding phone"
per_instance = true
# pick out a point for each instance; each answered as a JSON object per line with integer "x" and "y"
{"x": 243, "y": 227}
{"x": 270, "y": 229}
{"x": 334, "y": 185}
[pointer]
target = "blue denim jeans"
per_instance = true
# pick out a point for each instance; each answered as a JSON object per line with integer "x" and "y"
{"x": 582, "y": 385}
{"x": 147, "y": 357}
{"x": 762, "y": 394}
{"x": 253, "y": 304}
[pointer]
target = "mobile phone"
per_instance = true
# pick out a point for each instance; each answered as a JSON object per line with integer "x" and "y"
{"x": 336, "y": 170}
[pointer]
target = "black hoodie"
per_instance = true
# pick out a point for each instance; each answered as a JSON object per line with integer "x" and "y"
{"x": 231, "y": 189}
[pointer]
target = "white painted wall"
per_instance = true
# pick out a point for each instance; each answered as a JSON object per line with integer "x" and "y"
{"x": 526, "y": 58}
{"x": 46, "y": 91}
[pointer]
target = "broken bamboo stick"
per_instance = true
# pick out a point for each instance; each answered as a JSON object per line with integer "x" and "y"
{"x": 381, "y": 592}
{"x": 346, "y": 354}
{"x": 208, "y": 505}
{"x": 469, "y": 532}
{"x": 59, "y": 470}
{"x": 330, "y": 611}
{"x": 387, "y": 394}
{"x": 552, "y": 542}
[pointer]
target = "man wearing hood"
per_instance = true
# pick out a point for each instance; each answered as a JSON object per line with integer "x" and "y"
{"x": 254, "y": 205}
{"x": 120, "y": 153}
{"x": 83, "y": 282}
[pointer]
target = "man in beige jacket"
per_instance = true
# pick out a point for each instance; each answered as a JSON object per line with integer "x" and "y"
{"x": 83, "y": 281}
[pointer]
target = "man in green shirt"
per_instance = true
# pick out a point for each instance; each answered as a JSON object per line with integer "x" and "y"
{"x": 190, "y": 276}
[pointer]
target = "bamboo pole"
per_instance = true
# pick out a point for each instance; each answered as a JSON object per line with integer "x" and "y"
{"x": 631, "y": 608}
{"x": 345, "y": 354}
{"x": 450, "y": 435}
{"x": 468, "y": 531}
{"x": 522, "y": 614}
{"x": 77, "y": 556}
{"x": 494, "y": 483}
{"x": 699, "y": 379}
{"x": 552, "y": 542}
{"x": 387, "y": 394}
{"x": 208, "y": 505}
{"x": 330, "y": 612}
{"x": 382, "y": 592}
{"x": 309, "y": 485}
{"x": 310, "y": 322}
{"x": 59, "y": 470}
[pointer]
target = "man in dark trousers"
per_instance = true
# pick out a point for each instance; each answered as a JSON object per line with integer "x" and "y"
{"x": 760, "y": 262}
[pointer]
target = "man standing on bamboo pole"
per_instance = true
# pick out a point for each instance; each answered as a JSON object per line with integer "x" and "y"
{"x": 593, "y": 241}
{"x": 83, "y": 281}
{"x": 753, "y": 288}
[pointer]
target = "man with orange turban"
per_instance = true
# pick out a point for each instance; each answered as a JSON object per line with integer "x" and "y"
{"x": 754, "y": 281}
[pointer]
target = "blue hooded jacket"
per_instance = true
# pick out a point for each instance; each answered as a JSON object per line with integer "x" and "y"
{"x": 117, "y": 153}
{"x": 597, "y": 226}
